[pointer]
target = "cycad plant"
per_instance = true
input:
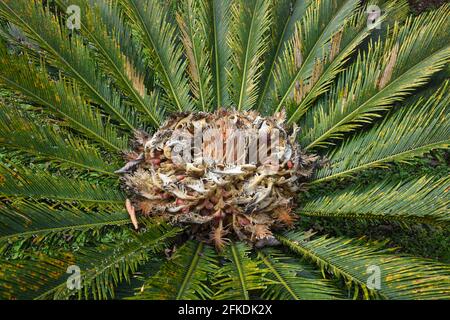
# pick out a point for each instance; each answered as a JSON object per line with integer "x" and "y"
{"x": 93, "y": 86}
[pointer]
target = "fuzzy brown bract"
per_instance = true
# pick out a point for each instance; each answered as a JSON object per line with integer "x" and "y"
{"x": 228, "y": 174}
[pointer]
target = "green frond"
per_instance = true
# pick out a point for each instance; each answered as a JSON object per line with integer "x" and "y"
{"x": 193, "y": 23}
{"x": 29, "y": 219}
{"x": 105, "y": 37}
{"x": 49, "y": 143}
{"x": 23, "y": 279}
{"x": 401, "y": 276}
{"x": 220, "y": 13}
{"x": 115, "y": 22}
{"x": 239, "y": 276}
{"x": 59, "y": 98}
{"x": 400, "y": 10}
{"x": 248, "y": 43}
{"x": 383, "y": 75}
{"x": 294, "y": 280}
{"x": 163, "y": 52}
{"x": 108, "y": 265}
{"x": 184, "y": 276}
{"x": 18, "y": 183}
{"x": 407, "y": 133}
{"x": 68, "y": 53}
{"x": 299, "y": 62}
{"x": 286, "y": 13}
{"x": 126, "y": 290}
{"x": 101, "y": 267}
{"x": 341, "y": 47}
{"x": 416, "y": 200}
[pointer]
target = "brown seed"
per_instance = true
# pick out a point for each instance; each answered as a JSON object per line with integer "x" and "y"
{"x": 185, "y": 210}
{"x": 158, "y": 153}
{"x": 243, "y": 221}
{"x": 219, "y": 215}
{"x": 155, "y": 161}
{"x": 165, "y": 195}
{"x": 214, "y": 199}
{"x": 208, "y": 205}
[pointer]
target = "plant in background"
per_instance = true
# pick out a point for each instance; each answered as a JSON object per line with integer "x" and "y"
{"x": 84, "y": 102}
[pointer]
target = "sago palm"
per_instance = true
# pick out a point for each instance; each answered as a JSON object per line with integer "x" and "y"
{"x": 88, "y": 187}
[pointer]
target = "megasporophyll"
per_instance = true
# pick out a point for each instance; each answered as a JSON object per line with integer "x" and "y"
{"x": 226, "y": 174}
